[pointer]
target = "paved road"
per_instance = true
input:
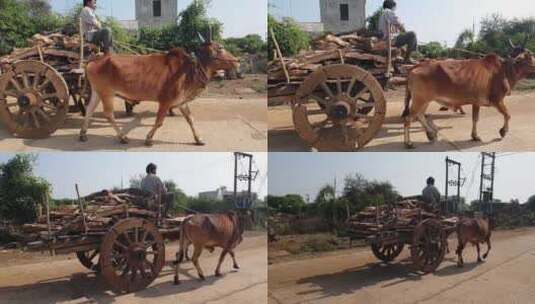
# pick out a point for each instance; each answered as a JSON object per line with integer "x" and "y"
{"x": 454, "y": 134}
{"x": 225, "y": 124}
{"x": 355, "y": 276}
{"x": 66, "y": 281}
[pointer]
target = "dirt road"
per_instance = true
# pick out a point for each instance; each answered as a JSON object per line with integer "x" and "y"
{"x": 225, "y": 124}
{"x": 66, "y": 281}
{"x": 355, "y": 276}
{"x": 454, "y": 129}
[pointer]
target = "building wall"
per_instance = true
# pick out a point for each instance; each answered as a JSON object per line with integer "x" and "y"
{"x": 144, "y": 13}
{"x": 331, "y": 19}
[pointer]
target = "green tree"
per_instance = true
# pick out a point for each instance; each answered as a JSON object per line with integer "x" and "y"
{"x": 289, "y": 204}
{"x": 290, "y": 37}
{"x": 250, "y": 44}
{"x": 20, "y": 190}
{"x": 531, "y": 203}
{"x": 373, "y": 21}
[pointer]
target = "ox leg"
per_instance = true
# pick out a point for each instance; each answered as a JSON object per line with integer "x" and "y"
{"x": 234, "y": 263}
{"x": 95, "y": 99}
{"x": 221, "y": 258}
{"x": 418, "y": 106}
{"x": 460, "y": 247}
{"x": 107, "y": 103}
{"x": 479, "y": 260}
{"x": 176, "y": 264}
{"x": 196, "y": 254}
{"x": 429, "y": 131}
{"x": 162, "y": 112}
{"x": 506, "y": 117}
{"x": 184, "y": 109}
{"x": 475, "y": 119}
{"x": 488, "y": 249}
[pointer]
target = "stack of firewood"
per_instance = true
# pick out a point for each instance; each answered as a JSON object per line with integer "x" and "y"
{"x": 368, "y": 53}
{"x": 405, "y": 214}
{"x": 56, "y": 49}
{"x": 100, "y": 211}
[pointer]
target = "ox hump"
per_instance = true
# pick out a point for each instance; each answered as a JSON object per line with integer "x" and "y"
{"x": 492, "y": 60}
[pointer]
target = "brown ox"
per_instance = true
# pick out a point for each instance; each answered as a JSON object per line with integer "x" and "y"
{"x": 475, "y": 231}
{"x": 479, "y": 82}
{"x": 210, "y": 231}
{"x": 171, "y": 79}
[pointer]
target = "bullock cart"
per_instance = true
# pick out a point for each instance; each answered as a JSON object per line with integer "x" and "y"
{"x": 409, "y": 222}
{"x": 118, "y": 234}
{"x": 336, "y": 91}
{"x": 41, "y": 84}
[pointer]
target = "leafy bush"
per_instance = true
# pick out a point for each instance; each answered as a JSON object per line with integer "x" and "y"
{"x": 290, "y": 37}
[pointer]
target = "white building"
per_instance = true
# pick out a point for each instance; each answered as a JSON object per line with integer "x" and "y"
{"x": 338, "y": 16}
{"x": 156, "y": 13}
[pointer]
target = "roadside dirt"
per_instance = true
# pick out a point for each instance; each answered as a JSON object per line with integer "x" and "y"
{"x": 229, "y": 116}
{"x": 454, "y": 128}
{"x": 35, "y": 278}
{"x": 356, "y": 276}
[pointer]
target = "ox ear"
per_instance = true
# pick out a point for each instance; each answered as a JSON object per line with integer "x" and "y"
{"x": 201, "y": 37}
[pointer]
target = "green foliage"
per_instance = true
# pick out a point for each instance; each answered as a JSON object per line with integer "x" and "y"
{"x": 20, "y": 20}
{"x": 20, "y": 189}
{"x": 289, "y": 204}
{"x": 433, "y": 50}
{"x": 250, "y": 44}
{"x": 373, "y": 21}
{"x": 290, "y": 37}
{"x": 193, "y": 21}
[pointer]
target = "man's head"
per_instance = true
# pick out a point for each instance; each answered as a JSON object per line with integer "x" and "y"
{"x": 90, "y": 3}
{"x": 151, "y": 168}
{"x": 389, "y": 4}
{"x": 431, "y": 181}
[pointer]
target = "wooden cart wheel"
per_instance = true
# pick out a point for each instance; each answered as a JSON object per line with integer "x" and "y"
{"x": 428, "y": 245}
{"x": 89, "y": 259}
{"x": 33, "y": 99}
{"x": 387, "y": 253}
{"x": 132, "y": 254}
{"x": 339, "y": 108}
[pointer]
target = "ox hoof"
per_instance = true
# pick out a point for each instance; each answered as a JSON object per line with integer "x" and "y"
{"x": 199, "y": 142}
{"x": 83, "y": 137}
{"x": 503, "y": 132}
{"x": 410, "y": 146}
{"x": 476, "y": 138}
{"x": 443, "y": 109}
{"x": 123, "y": 140}
{"x": 485, "y": 256}
{"x": 201, "y": 277}
{"x": 217, "y": 274}
{"x": 149, "y": 142}
{"x": 431, "y": 136}
{"x": 176, "y": 281}
{"x": 236, "y": 266}
{"x": 460, "y": 265}
{"x": 479, "y": 260}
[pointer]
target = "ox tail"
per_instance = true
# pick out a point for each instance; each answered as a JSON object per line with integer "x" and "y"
{"x": 408, "y": 97}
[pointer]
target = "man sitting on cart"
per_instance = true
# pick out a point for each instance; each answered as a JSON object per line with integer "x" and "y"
{"x": 152, "y": 183}
{"x": 93, "y": 30}
{"x": 398, "y": 33}
{"x": 430, "y": 194}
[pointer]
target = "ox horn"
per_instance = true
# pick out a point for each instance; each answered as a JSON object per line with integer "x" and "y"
{"x": 511, "y": 44}
{"x": 209, "y": 32}
{"x": 201, "y": 37}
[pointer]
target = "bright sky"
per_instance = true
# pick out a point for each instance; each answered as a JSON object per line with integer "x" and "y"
{"x": 432, "y": 20}
{"x": 95, "y": 171}
{"x": 306, "y": 173}
{"x": 239, "y": 17}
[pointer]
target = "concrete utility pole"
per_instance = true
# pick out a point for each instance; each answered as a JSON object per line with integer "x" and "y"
{"x": 453, "y": 181}
{"x": 486, "y": 185}
{"x": 248, "y": 177}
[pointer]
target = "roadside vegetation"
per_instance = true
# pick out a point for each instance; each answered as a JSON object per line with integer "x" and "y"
{"x": 21, "y": 19}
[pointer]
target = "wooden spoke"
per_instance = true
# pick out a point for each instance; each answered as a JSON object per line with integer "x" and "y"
{"x": 16, "y": 84}
{"x": 320, "y": 100}
{"x": 327, "y": 90}
{"x": 35, "y": 120}
{"x": 43, "y": 85}
{"x": 48, "y": 96}
{"x": 120, "y": 245}
{"x": 350, "y": 87}
{"x": 36, "y": 80}
{"x": 43, "y": 114}
{"x": 25, "y": 80}
{"x": 338, "y": 87}
{"x": 362, "y": 91}
{"x": 11, "y": 93}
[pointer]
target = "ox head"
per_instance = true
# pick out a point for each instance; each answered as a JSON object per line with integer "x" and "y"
{"x": 214, "y": 56}
{"x": 517, "y": 50}
{"x": 522, "y": 58}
